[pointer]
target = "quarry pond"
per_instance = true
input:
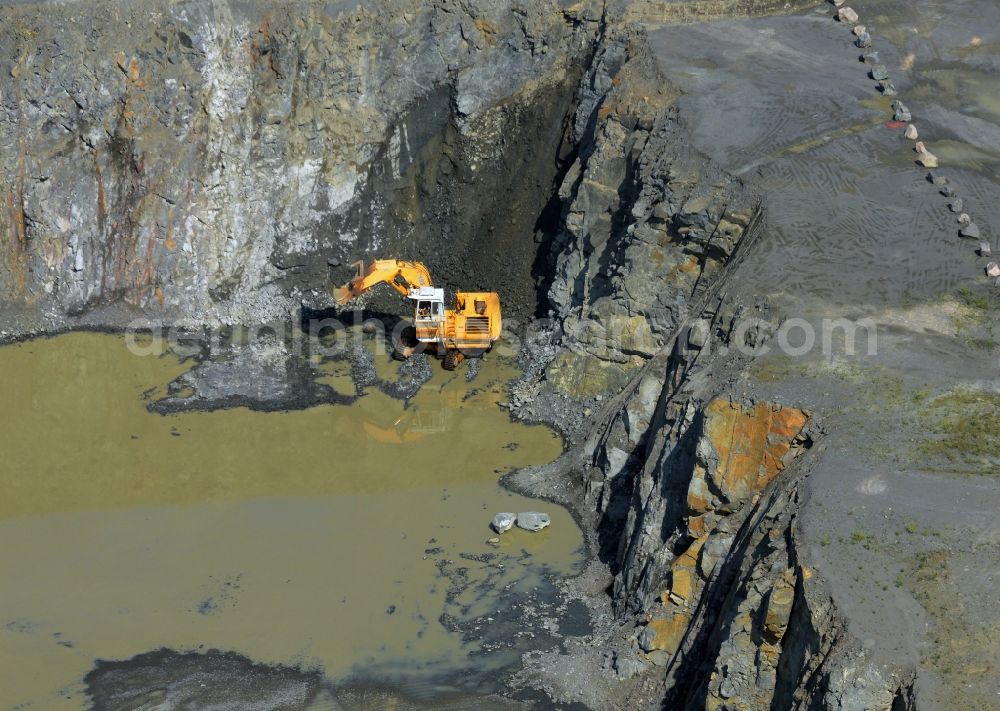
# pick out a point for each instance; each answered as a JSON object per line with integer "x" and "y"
{"x": 348, "y": 542}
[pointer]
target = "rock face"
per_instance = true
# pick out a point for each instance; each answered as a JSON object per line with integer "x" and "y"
{"x": 710, "y": 573}
{"x": 722, "y": 456}
{"x": 203, "y": 161}
{"x": 646, "y": 221}
{"x": 741, "y": 450}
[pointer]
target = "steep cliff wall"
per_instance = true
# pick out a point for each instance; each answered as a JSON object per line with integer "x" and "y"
{"x": 204, "y": 160}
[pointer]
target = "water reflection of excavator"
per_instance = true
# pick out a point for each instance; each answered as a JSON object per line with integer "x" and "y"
{"x": 468, "y": 330}
{"x": 431, "y": 413}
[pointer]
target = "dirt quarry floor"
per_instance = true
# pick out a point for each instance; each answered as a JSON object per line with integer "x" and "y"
{"x": 902, "y": 505}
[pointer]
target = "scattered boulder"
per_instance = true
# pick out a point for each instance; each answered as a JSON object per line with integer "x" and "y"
{"x": 938, "y": 179}
{"x": 887, "y": 87}
{"x": 859, "y": 30}
{"x": 628, "y": 666}
{"x": 879, "y": 72}
{"x": 900, "y": 112}
{"x": 956, "y": 205}
{"x": 533, "y": 520}
{"x": 970, "y": 230}
{"x": 927, "y": 160}
{"x": 870, "y": 56}
{"x": 964, "y": 219}
{"x": 864, "y": 41}
{"x": 984, "y": 249}
{"x": 911, "y": 132}
{"x": 848, "y": 15}
{"x": 503, "y": 522}
{"x": 993, "y": 269}
{"x": 920, "y": 147}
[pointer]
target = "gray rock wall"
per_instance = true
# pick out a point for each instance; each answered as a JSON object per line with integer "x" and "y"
{"x": 203, "y": 160}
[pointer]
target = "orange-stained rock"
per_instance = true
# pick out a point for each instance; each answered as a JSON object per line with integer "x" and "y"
{"x": 667, "y": 634}
{"x": 741, "y": 450}
{"x": 690, "y": 556}
{"x": 779, "y": 610}
{"x": 684, "y": 571}
{"x": 681, "y": 584}
{"x": 699, "y": 498}
{"x": 696, "y": 526}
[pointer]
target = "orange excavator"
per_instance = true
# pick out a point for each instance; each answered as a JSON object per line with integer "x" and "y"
{"x": 467, "y": 330}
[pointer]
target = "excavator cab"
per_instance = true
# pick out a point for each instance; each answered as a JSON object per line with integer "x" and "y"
{"x": 429, "y": 313}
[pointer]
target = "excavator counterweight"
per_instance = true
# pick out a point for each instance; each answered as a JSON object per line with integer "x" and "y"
{"x": 468, "y": 329}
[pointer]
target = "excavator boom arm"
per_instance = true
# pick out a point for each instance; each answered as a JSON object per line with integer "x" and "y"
{"x": 400, "y": 275}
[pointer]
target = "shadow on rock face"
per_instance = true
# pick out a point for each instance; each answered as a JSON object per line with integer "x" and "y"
{"x": 221, "y": 681}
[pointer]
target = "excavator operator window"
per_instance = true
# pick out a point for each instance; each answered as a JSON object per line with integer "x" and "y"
{"x": 423, "y": 309}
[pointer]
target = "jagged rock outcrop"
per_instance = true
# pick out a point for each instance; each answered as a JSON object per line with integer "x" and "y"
{"x": 718, "y": 457}
{"x": 646, "y": 223}
{"x": 187, "y": 160}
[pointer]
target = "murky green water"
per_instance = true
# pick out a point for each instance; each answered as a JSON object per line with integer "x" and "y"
{"x": 320, "y": 537}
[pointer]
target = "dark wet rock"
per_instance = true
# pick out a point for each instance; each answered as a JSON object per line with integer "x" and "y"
{"x": 362, "y": 367}
{"x": 472, "y": 369}
{"x": 262, "y": 375}
{"x": 222, "y": 681}
{"x": 413, "y": 372}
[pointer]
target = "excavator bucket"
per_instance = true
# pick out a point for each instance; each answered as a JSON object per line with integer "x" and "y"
{"x": 343, "y": 294}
